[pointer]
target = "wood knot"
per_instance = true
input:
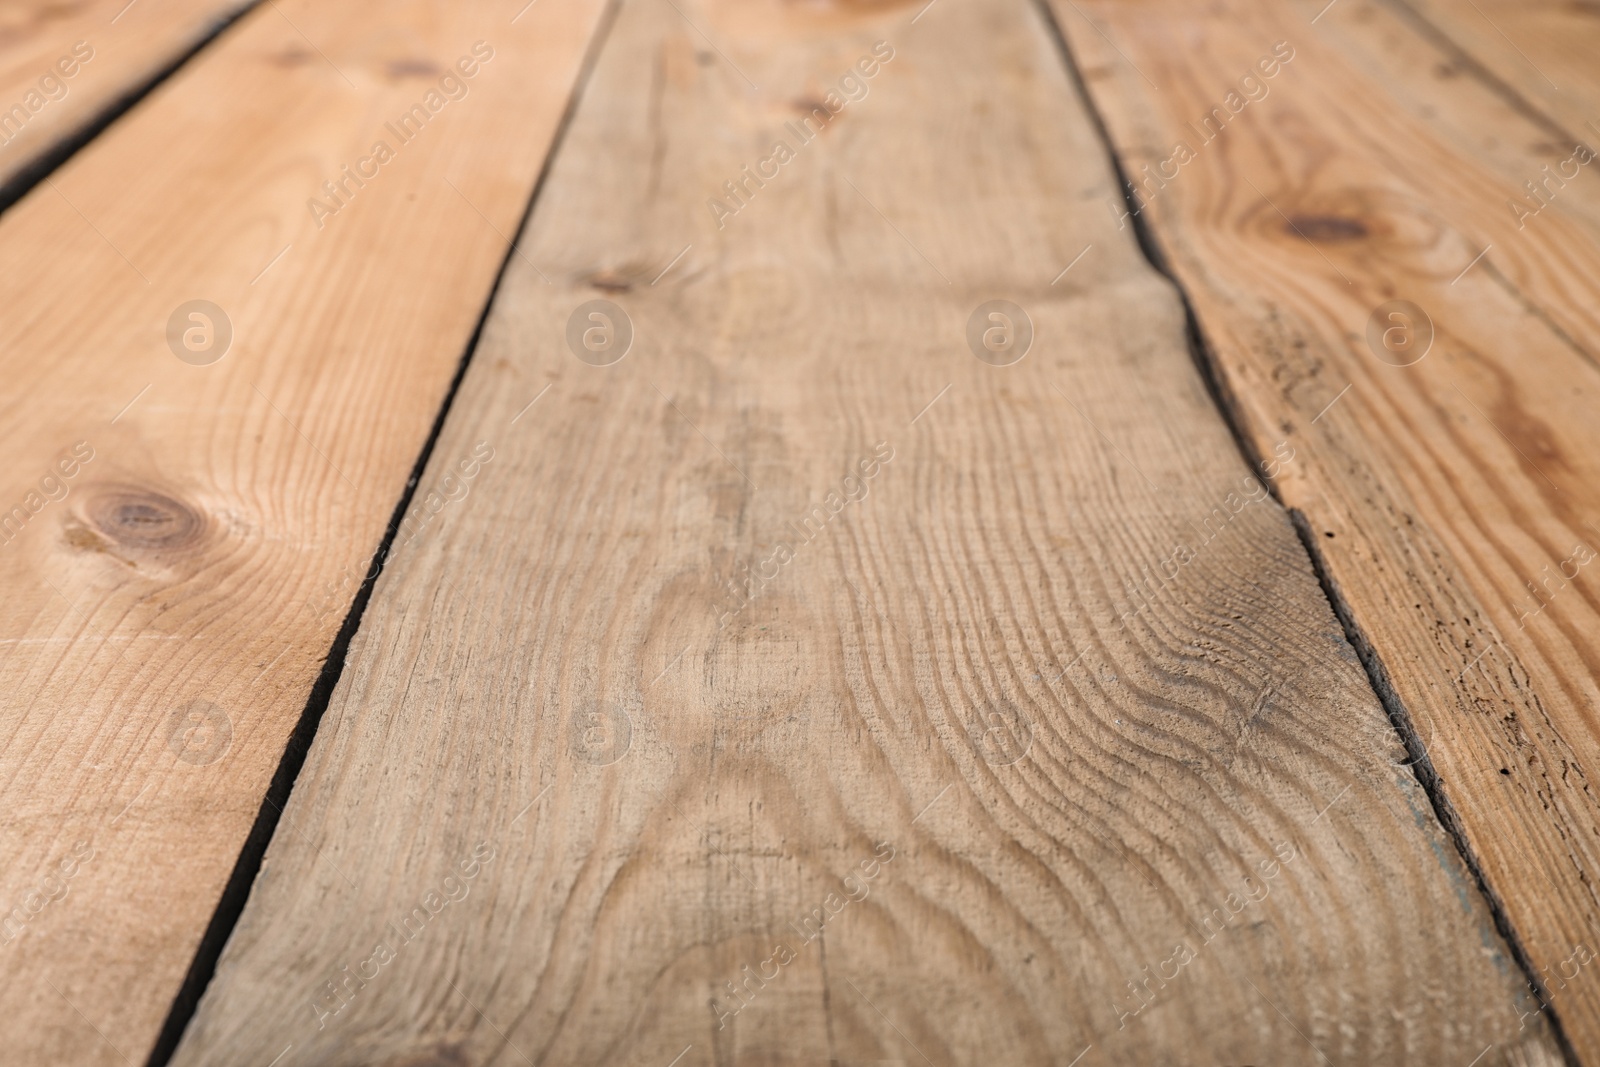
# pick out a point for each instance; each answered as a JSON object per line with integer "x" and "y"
{"x": 144, "y": 521}
{"x": 444, "y": 1054}
{"x": 615, "y": 279}
{"x": 291, "y": 57}
{"x": 1327, "y": 228}
{"x": 850, "y": 6}
{"x": 413, "y": 68}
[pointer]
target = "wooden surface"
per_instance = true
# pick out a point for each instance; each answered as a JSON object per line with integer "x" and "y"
{"x": 1452, "y": 501}
{"x": 164, "y": 620}
{"x": 1540, "y": 53}
{"x": 1470, "y": 155}
{"x": 1045, "y": 692}
{"x": 65, "y": 65}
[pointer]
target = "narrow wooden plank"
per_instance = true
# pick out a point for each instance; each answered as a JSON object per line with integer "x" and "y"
{"x": 63, "y": 65}
{"x": 1455, "y": 500}
{"x": 1543, "y": 51}
{"x": 182, "y": 538}
{"x": 800, "y": 615}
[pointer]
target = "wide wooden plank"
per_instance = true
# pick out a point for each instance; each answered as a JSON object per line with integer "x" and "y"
{"x": 185, "y": 524}
{"x": 64, "y": 66}
{"x": 1452, "y": 491}
{"x": 1010, "y": 679}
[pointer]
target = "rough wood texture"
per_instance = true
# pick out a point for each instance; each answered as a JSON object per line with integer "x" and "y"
{"x": 172, "y": 586}
{"x": 63, "y": 65}
{"x": 1453, "y": 500}
{"x": 1022, "y": 720}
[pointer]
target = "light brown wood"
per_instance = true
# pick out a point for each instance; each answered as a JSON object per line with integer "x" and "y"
{"x": 63, "y": 65}
{"x": 1500, "y": 175}
{"x": 171, "y": 590}
{"x": 572, "y": 787}
{"x": 1539, "y": 52}
{"x": 1453, "y": 501}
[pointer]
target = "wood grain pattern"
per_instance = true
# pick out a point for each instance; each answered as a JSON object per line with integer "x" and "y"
{"x": 1542, "y": 51}
{"x": 172, "y": 587}
{"x": 1453, "y": 501}
{"x": 63, "y": 64}
{"x": 1507, "y": 178}
{"x": 801, "y": 615}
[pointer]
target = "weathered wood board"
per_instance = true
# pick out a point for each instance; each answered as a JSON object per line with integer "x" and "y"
{"x": 63, "y": 66}
{"x": 186, "y": 518}
{"x": 1010, "y": 679}
{"x": 1451, "y": 476}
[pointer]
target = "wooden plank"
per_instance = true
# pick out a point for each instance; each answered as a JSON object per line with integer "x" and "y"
{"x": 1538, "y": 52}
{"x": 63, "y": 67}
{"x": 1517, "y": 180}
{"x": 1453, "y": 501}
{"x": 800, "y": 615}
{"x": 173, "y": 586}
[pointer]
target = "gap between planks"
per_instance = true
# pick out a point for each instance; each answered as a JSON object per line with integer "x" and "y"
{"x": 248, "y": 866}
{"x": 1212, "y": 374}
